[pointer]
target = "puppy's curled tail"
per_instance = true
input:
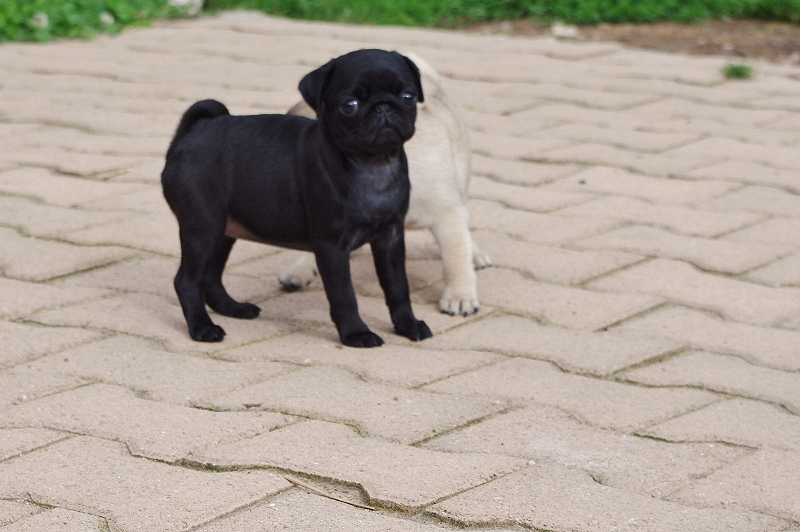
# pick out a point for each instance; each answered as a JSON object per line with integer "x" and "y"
{"x": 198, "y": 111}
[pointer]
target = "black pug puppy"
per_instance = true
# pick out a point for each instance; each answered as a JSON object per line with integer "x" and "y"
{"x": 329, "y": 186}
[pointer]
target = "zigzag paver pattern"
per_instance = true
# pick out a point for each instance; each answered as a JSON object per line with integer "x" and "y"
{"x": 635, "y": 365}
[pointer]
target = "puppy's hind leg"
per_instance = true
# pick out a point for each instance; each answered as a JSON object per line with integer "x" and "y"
{"x": 197, "y": 248}
{"x": 216, "y": 295}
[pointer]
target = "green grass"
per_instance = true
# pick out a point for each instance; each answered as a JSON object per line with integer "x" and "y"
{"x": 737, "y": 71}
{"x": 451, "y": 13}
{"x": 41, "y": 20}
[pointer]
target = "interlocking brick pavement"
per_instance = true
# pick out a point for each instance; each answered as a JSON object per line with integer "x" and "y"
{"x": 635, "y": 364}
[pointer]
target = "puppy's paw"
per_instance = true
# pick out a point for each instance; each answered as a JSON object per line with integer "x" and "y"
{"x": 207, "y": 333}
{"x": 461, "y": 307}
{"x": 297, "y": 276}
{"x": 233, "y": 309}
{"x": 463, "y": 302}
{"x": 245, "y": 311}
{"x": 362, "y": 339}
{"x": 415, "y": 330}
{"x": 480, "y": 259}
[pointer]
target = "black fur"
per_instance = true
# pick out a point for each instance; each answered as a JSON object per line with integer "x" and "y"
{"x": 328, "y": 186}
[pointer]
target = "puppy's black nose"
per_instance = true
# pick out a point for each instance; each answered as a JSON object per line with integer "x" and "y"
{"x": 383, "y": 110}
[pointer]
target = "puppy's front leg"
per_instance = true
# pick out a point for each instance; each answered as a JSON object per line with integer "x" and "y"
{"x": 389, "y": 256}
{"x": 333, "y": 265}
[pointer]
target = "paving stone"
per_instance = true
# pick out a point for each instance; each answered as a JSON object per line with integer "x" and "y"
{"x": 22, "y": 257}
{"x": 143, "y": 199}
{"x": 549, "y": 263}
{"x": 47, "y": 221}
{"x": 524, "y": 173}
{"x": 17, "y": 441}
{"x": 536, "y": 496}
{"x": 15, "y": 131}
{"x": 73, "y": 163}
{"x": 784, "y": 272}
{"x": 22, "y": 342}
{"x": 748, "y": 172}
{"x": 591, "y": 98}
{"x": 148, "y": 172}
{"x": 154, "y": 274}
{"x": 603, "y": 154}
{"x": 790, "y": 122}
{"x": 679, "y": 282}
{"x": 547, "y": 435}
{"x": 512, "y": 147}
{"x": 702, "y": 73}
{"x": 391, "y": 412}
{"x": 99, "y": 477}
{"x": 723, "y": 373}
{"x": 157, "y": 233}
{"x": 684, "y": 220}
{"x": 86, "y": 119}
{"x": 774, "y": 348}
{"x": 392, "y": 474}
{"x": 592, "y": 353}
{"x": 763, "y": 200}
{"x": 659, "y": 190}
{"x": 75, "y": 140}
{"x": 645, "y": 141}
{"x": 535, "y": 199}
{"x": 709, "y": 254}
{"x": 783, "y": 231}
{"x": 145, "y": 273}
{"x": 776, "y": 156}
{"x": 573, "y": 308}
{"x": 305, "y": 512}
{"x": 554, "y": 113}
{"x": 561, "y": 49}
{"x": 154, "y": 317}
{"x": 309, "y": 307}
{"x": 11, "y": 511}
{"x": 736, "y": 421}
{"x": 534, "y": 227}
{"x": 157, "y": 374}
{"x": 398, "y": 365}
{"x": 59, "y": 520}
{"x": 31, "y": 380}
{"x": 767, "y": 481}
{"x": 602, "y": 403}
{"x": 680, "y": 107}
{"x": 708, "y": 127}
{"x": 57, "y": 189}
{"x": 149, "y": 429}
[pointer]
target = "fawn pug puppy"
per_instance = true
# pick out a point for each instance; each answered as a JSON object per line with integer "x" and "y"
{"x": 328, "y": 185}
{"x": 439, "y": 165}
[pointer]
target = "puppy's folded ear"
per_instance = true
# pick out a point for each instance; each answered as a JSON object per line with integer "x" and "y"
{"x": 418, "y": 81}
{"x": 313, "y": 84}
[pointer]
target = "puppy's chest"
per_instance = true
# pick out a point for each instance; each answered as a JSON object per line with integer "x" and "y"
{"x": 379, "y": 194}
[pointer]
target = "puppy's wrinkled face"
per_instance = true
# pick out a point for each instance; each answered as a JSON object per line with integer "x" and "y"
{"x": 366, "y": 100}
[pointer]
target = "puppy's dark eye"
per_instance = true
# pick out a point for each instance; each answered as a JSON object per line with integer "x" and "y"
{"x": 409, "y": 98}
{"x": 349, "y": 108}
